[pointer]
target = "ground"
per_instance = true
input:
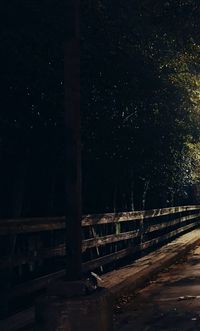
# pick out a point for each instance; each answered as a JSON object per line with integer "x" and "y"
{"x": 171, "y": 302}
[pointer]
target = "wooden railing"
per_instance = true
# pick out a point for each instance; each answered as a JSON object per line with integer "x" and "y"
{"x": 33, "y": 250}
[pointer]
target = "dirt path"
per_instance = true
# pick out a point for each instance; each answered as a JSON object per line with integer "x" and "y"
{"x": 171, "y": 302}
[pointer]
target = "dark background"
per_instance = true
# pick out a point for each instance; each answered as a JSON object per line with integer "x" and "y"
{"x": 134, "y": 125}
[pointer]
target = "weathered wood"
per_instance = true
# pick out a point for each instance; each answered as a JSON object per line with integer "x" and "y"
{"x": 135, "y": 215}
{"x": 167, "y": 236}
{"x": 35, "y": 285}
{"x": 110, "y": 258}
{"x": 31, "y": 226}
{"x": 131, "y": 250}
{"x": 96, "y": 246}
{"x": 33, "y": 220}
{"x": 73, "y": 147}
{"x": 114, "y": 246}
{"x": 19, "y": 320}
{"x": 42, "y": 254}
{"x": 89, "y": 243}
{"x": 26, "y": 317}
{"x": 73, "y": 157}
{"x": 42, "y": 282}
{"x": 156, "y": 227}
{"x": 100, "y": 241}
{"x": 26, "y": 225}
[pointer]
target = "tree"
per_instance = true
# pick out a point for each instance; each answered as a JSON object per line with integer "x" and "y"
{"x": 139, "y": 94}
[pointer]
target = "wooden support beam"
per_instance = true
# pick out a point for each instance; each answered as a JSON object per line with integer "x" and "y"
{"x": 73, "y": 151}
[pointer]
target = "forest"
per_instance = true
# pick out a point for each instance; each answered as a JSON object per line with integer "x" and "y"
{"x": 140, "y": 97}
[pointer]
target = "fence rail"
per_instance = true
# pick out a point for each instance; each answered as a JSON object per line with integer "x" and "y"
{"x": 33, "y": 249}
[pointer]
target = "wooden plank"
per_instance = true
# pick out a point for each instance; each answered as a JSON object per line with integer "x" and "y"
{"x": 32, "y": 220}
{"x": 72, "y": 159}
{"x": 25, "y": 225}
{"x": 131, "y": 250}
{"x": 89, "y": 243}
{"x": 110, "y": 258}
{"x": 8, "y": 229}
{"x": 35, "y": 284}
{"x": 19, "y": 320}
{"x": 26, "y": 317}
{"x": 100, "y": 241}
{"x": 96, "y": 246}
{"x": 60, "y": 250}
{"x": 156, "y": 227}
{"x": 42, "y": 282}
{"x": 167, "y": 236}
{"x": 94, "y": 242}
{"x": 135, "y": 215}
{"x": 46, "y": 253}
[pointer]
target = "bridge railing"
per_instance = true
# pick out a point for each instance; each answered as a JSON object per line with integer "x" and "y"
{"x": 117, "y": 236}
{"x": 33, "y": 249}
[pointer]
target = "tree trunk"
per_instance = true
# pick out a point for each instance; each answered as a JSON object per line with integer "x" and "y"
{"x": 19, "y": 190}
{"x": 132, "y": 196}
{"x": 146, "y": 187}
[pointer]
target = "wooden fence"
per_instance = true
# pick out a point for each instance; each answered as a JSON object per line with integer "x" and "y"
{"x": 33, "y": 250}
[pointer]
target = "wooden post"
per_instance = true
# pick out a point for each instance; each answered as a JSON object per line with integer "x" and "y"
{"x": 141, "y": 232}
{"x": 73, "y": 151}
{"x": 67, "y": 305}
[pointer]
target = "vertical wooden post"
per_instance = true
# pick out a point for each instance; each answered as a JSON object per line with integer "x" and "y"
{"x": 141, "y": 234}
{"x": 73, "y": 151}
